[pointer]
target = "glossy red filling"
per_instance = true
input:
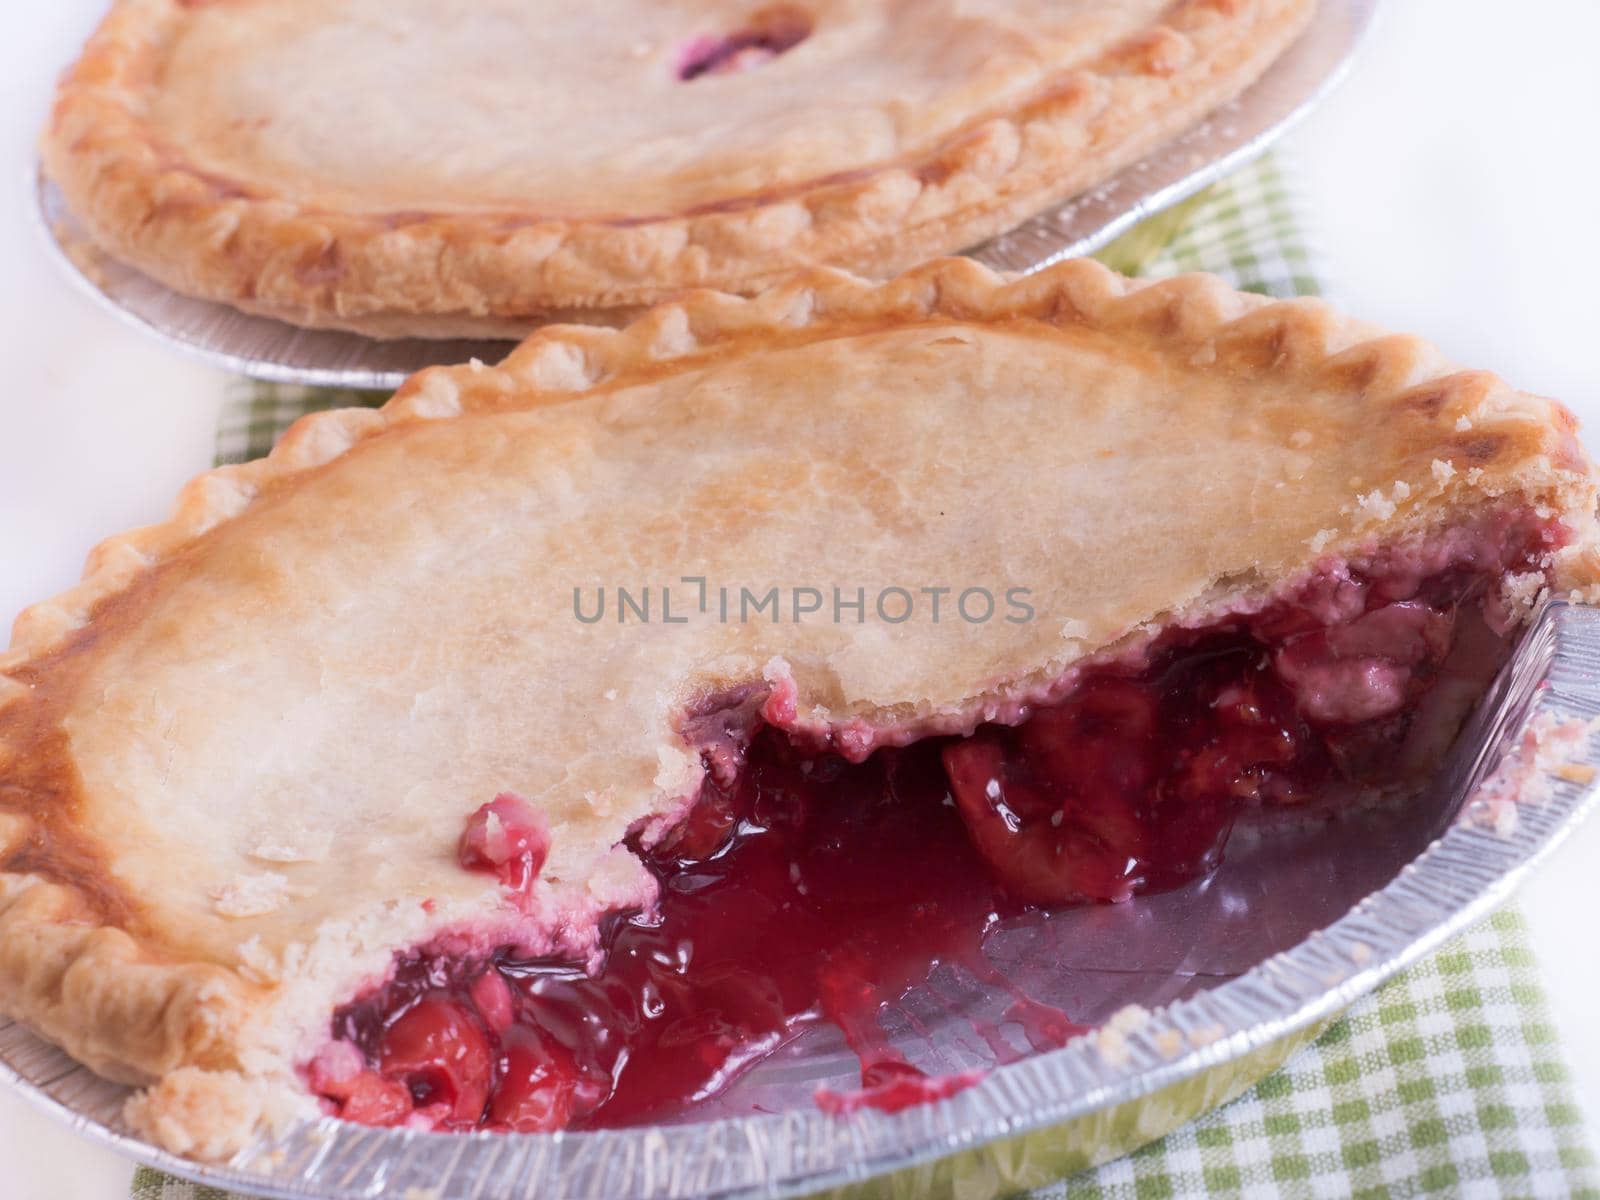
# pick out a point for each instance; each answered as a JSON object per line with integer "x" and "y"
{"x": 775, "y": 31}
{"x": 800, "y": 893}
{"x": 812, "y": 890}
{"x": 1133, "y": 783}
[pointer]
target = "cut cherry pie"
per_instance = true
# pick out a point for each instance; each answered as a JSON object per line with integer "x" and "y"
{"x": 543, "y": 749}
{"x": 419, "y": 167}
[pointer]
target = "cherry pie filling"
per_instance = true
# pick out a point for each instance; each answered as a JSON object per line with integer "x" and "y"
{"x": 807, "y": 889}
{"x": 771, "y": 32}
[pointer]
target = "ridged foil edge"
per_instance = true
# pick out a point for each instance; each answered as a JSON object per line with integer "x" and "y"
{"x": 1553, "y": 677}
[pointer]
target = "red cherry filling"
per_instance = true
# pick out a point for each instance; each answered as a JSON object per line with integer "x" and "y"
{"x": 439, "y": 1050}
{"x": 806, "y": 890}
{"x": 1133, "y": 782}
{"x": 773, "y": 31}
{"x": 508, "y": 838}
{"x": 802, "y": 889}
{"x": 541, "y": 1088}
{"x": 894, "y": 1086}
{"x": 339, "y": 1075}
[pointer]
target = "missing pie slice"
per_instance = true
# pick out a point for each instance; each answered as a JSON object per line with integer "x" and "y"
{"x": 537, "y": 751}
{"x": 413, "y": 167}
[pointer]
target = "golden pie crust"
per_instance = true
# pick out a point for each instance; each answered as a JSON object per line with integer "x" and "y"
{"x": 401, "y": 167}
{"x": 236, "y": 759}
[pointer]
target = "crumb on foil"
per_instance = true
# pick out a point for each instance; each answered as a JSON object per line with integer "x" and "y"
{"x": 1111, "y": 1039}
{"x": 1544, "y": 753}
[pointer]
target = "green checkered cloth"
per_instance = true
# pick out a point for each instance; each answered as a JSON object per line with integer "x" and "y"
{"x": 1448, "y": 1080}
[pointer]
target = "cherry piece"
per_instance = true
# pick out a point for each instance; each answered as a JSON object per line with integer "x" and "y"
{"x": 507, "y": 837}
{"x": 372, "y": 1099}
{"x": 541, "y": 1087}
{"x": 437, "y": 1049}
{"x": 339, "y": 1075}
{"x": 491, "y": 996}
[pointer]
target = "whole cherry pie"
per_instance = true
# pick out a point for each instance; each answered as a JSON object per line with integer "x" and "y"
{"x": 402, "y": 167}
{"x": 545, "y": 748}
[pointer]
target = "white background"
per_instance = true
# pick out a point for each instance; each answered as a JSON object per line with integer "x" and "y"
{"x": 1452, "y": 181}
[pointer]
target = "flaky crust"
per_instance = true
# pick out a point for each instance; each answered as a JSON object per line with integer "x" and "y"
{"x": 319, "y": 260}
{"x": 216, "y": 1014}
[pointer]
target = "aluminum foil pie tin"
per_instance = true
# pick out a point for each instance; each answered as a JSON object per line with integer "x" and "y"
{"x": 1233, "y": 994}
{"x": 267, "y": 349}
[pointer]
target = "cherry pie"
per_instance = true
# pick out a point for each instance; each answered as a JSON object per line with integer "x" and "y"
{"x": 404, "y": 167}
{"x": 542, "y": 749}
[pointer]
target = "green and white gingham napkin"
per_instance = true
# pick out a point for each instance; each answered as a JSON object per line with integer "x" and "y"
{"x": 1448, "y": 1080}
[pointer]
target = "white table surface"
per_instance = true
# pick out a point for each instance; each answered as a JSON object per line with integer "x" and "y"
{"x": 1452, "y": 181}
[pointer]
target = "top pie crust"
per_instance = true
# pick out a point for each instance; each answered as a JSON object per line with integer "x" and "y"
{"x": 235, "y": 760}
{"x": 402, "y": 166}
